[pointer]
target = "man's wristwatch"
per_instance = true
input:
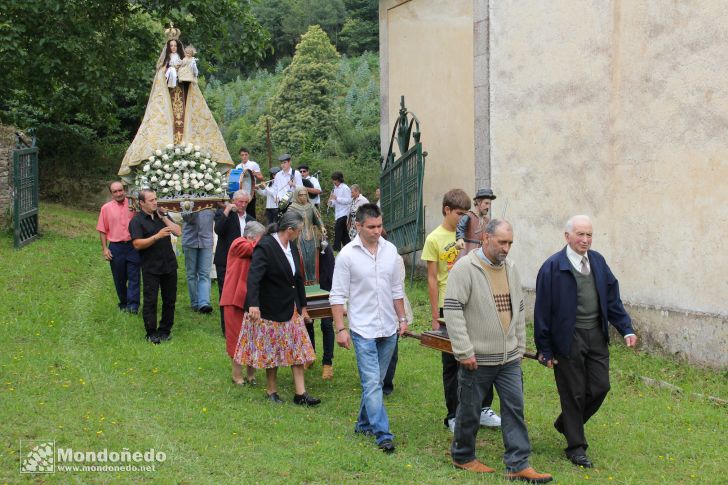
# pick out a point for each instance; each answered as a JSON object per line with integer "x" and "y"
{"x": 340, "y": 330}
{"x": 402, "y": 319}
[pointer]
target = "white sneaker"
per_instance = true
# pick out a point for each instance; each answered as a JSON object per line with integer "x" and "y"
{"x": 451, "y": 424}
{"x": 489, "y": 418}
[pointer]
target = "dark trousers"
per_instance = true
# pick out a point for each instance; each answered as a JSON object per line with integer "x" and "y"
{"x": 582, "y": 379}
{"x": 220, "y": 271}
{"x": 450, "y": 367}
{"x": 154, "y": 283}
{"x": 474, "y": 384}
{"x": 341, "y": 235}
{"x": 327, "y": 331}
{"x": 271, "y": 215}
{"x": 125, "y": 271}
{"x": 250, "y": 208}
{"x": 388, "y": 385}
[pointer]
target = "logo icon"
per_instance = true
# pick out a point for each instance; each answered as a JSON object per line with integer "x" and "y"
{"x": 37, "y": 456}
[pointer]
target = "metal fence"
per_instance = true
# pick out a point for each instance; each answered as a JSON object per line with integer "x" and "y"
{"x": 25, "y": 196}
{"x": 401, "y": 186}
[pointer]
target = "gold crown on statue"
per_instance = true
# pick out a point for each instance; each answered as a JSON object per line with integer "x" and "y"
{"x": 172, "y": 33}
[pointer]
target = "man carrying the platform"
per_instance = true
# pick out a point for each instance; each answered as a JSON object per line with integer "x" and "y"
{"x": 113, "y": 227}
{"x": 486, "y": 322}
{"x": 150, "y": 232}
{"x": 469, "y": 236}
{"x": 367, "y": 276}
{"x": 229, "y": 225}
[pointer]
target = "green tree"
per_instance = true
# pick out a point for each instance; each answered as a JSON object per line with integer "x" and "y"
{"x": 88, "y": 65}
{"x": 287, "y": 20}
{"x": 360, "y": 31}
{"x": 303, "y": 109}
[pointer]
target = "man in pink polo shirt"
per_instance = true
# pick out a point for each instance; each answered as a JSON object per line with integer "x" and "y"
{"x": 113, "y": 227}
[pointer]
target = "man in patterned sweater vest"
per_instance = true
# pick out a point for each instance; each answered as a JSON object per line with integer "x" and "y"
{"x": 486, "y": 323}
{"x": 577, "y": 296}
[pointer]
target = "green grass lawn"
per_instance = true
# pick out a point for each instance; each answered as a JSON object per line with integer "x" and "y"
{"x": 75, "y": 370}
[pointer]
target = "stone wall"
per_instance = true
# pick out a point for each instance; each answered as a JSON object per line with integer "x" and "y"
{"x": 426, "y": 54}
{"x": 7, "y": 145}
{"x": 610, "y": 108}
{"x": 618, "y": 110}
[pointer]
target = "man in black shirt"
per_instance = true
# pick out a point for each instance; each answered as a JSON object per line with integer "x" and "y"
{"x": 150, "y": 230}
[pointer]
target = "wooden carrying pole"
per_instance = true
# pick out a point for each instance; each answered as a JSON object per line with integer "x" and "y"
{"x": 440, "y": 341}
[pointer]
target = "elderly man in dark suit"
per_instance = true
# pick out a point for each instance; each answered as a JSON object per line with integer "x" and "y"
{"x": 229, "y": 225}
{"x": 577, "y": 296}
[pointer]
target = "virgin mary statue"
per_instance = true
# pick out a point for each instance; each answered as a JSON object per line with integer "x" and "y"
{"x": 175, "y": 115}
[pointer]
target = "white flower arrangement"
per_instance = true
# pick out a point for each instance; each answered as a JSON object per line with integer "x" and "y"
{"x": 172, "y": 173}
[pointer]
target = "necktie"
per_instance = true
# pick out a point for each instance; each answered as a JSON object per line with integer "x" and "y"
{"x": 585, "y": 266}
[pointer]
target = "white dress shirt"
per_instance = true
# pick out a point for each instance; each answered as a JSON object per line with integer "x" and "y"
{"x": 371, "y": 283}
{"x": 281, "y": 187}
{"x": 343, "y": 201}
{"x": 316, "y": 185}
{"x": 575, "y": 258}
{"x": 249, "y": 165}
{"x": 287, "y": 251}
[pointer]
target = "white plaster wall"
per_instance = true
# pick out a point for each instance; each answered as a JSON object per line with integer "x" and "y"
{"x": 427, "y": 56}
{"x": 617, "y": 109}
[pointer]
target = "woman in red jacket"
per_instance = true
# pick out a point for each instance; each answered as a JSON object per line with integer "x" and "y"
{"x": 234, "y": 291}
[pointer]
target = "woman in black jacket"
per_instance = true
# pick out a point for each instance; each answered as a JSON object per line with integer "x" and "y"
{"x": 273, "y": 332}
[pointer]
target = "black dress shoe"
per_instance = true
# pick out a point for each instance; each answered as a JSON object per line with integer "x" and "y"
{"x": 275, "y": 398}
{"x": 306, "y": 399}
{"x": 205, "y": 309}
{"x": 153, "y": 339}
{"x": 164, "y": 337}
{"x": 386, "y": 446}
{"x": 581, "y": 460}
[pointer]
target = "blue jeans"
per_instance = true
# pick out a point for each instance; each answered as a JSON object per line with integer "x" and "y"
{"x": 198, "y": 262}
{"x": 125, "y": 270}
{"x": 372, "y": 360}
{"x": 473, "y": 384}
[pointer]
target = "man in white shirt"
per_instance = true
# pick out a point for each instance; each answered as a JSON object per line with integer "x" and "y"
{"x": 315, "y": 188}
{"x": 285, "y": 181}
{"x": 247, "y": 164}
{"x": 271, "y": 207}
{"x": 340, "y": 200}
{"x": 367, "y": 274}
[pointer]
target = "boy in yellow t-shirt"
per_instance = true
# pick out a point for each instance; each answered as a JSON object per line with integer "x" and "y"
{"x": 440, "y": 250}
{"x": 440, "y": 253}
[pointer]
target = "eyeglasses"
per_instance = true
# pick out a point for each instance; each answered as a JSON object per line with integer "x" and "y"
{"x": 303, "y": 170}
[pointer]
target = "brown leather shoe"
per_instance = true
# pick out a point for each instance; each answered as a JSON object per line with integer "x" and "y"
{"x": 529, "y": 475}
{"x": 474, "y": 466}
{"x": 327, "y": 372}
{"x": 309, "y": 364}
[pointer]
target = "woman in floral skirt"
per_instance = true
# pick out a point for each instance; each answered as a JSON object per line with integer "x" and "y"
{"x": 273, "y": 333}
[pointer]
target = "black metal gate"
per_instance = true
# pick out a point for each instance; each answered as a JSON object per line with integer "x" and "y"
{"x": 401, "y": 186}
{"x": 25, "y": 195}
